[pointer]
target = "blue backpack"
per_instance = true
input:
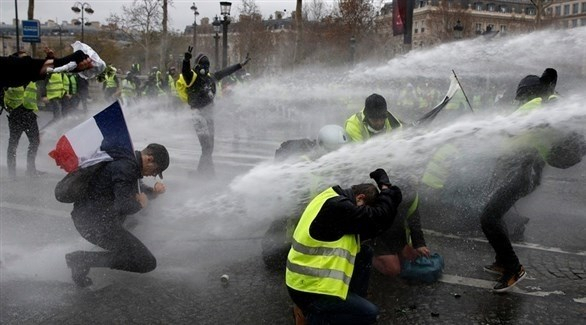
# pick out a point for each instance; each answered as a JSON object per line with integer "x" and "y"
{"x": 424, "y": 269}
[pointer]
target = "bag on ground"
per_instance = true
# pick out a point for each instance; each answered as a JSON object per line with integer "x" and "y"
{"x": 424, "y": 269}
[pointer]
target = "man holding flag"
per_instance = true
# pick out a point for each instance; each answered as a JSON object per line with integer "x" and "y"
{"x": 114, "y": 191}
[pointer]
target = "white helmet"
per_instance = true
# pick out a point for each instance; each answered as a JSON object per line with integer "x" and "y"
{"x": 331, "y": 137}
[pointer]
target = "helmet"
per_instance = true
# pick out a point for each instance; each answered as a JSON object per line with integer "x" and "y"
{"x": 331, "y": 137}
{"x": 375, "y": 106}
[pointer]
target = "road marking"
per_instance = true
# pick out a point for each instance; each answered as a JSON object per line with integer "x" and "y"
{"x": 34, "y": 209}
{"x": 523, "y": 245}
{"x": 485, "y": 284}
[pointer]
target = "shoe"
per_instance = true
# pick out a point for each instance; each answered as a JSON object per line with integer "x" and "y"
{"x": 298, "y": 314}
{"x": 35, "y": 173}
{"x": 494, "y": 269}
{"x": 509, "y": 280}
{"x": 79, "y": 270}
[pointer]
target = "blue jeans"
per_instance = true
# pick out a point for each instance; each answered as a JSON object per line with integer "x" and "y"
{"x": 355, "y": 310}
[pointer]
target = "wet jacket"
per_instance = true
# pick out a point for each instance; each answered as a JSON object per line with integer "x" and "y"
{"x": 112, "y": 193}
{"x": 357, "y": 129}
{"x": 201, "y": 89}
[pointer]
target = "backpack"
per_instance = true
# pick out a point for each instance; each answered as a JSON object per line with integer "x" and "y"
{"x": 293, "y": 148}
{"x": 75, "y": 185}
{"x": 423, "y": 269}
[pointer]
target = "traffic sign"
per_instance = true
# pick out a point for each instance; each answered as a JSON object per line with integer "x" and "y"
{"x": 31, "y": 31}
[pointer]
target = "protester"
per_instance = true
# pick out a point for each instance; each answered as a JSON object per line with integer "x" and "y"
{"x": 198, "y": 88}
{"x": 113, "y": 194}
{"x": 374, "y": 119}
{"x": 21, "y": 107}
{"x": 531, "y": 151}
{"x": 327, "y": 267}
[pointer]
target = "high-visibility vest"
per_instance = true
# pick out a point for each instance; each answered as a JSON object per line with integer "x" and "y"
{"x": 73, "y": 84}
{"x": 321, "y": 267}
{"x": 438, "y": 168}
{"x": 55, "y": 86}
{"x": 128, "y": 89}
{"x": 357, "y": 128}
{"x": 13, "y": 97}
{"x": 172, "y": 88}
{"x": 111, "y": 81}
{"x": 30, "y": 97}
{"x": 66, "y": 84}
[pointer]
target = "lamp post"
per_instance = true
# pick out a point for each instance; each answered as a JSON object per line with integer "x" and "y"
{"x": 82, "y": 7}
{"x": 225, "y": 12}
{"x": 216, "y": 24}
{"x": 458, "y": 30}
{"x": 195, "y": 13}
{"x": 352, "y": 49}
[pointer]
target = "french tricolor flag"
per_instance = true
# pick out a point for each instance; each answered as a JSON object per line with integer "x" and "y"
{"x": 89, "y": 143}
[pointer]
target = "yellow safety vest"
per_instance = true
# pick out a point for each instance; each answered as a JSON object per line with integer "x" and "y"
{"x": 438, "y": 168}
{"x": 55, "y": 86}
{"x": 73, "y": 84}
{"x": 357, "y": 129}
{"x": 30, "y": 97}
{"x": 13, "y": 97}
{"x": 111, "y": 81}
{"x": 66, "y": 83}
{"x": 316, "y": 266}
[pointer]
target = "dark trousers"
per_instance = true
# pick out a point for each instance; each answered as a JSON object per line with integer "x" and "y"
{"x": 356, "y": 309}
{"x": 203, "y": 122}
{"x": 124, "y": 251}
{"x": 22, "y": 120}
{"x": 55, "y": 106}
{"x": 515, "y": 177}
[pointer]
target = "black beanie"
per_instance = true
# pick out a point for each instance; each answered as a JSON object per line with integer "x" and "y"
{"x": 529, "y": 88}
{"x": 375, "y": 106}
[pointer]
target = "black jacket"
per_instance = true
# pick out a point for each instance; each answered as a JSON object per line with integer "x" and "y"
{"x": 203, "y": 90}
{"x": 340, "y": 215}
{"x": 112, "y": 193}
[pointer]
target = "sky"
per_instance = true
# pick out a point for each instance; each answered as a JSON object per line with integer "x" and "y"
{"x": 180, "y": 13}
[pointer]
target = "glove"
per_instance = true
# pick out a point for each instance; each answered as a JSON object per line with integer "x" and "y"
{"x": 245, "y": 60}
{"x": 381, "y": 178}
{"x": 187, "y": 55}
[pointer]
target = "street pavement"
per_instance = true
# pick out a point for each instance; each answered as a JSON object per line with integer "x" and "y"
{"x": 195, "y": 251}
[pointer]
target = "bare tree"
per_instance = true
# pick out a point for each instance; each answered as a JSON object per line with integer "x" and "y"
{"x": 141, "y": 22}
{"x": 315, "y": 11}
{"x": 162, "y": 59}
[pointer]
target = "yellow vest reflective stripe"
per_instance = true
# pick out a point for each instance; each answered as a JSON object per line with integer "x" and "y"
{"x": 55, "y": 86}
{"x": 30, "y": 97}
{"x": 438, "y": 168}
{"x": 13, "y": 97}
{"x": 318, "y": 266}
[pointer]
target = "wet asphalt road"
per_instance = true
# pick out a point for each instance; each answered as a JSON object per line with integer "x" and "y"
{"x": 186, "y": 288}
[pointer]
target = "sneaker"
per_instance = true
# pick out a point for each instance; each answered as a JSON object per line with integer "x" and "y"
{"x": 494, "y": 269}
{"x": 298, "y": 314}
{"x": 509, "y": 280}
{"x": 79, "y": 270}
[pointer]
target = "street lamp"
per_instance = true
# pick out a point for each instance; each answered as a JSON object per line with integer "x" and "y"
{"x": 458, "y": 30}
{"x": 352, "y": 49}
{"x": 195, "y": 13}
{"x": 216, "y": 24}
{"x": 82, "y": 7}
{"x": 225, "y": 12}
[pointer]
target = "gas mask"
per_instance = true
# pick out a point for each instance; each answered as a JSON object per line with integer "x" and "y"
{"x": 203, "y": 68}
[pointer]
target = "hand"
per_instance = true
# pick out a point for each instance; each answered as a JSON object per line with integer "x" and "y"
{"x": 423, "y": 251}
{"x": 142, "y": 199}
{"x": 159, "y": 188}
{"x": 245, "y": 60}
{"x": 187, "y": 55}
{"x": 381, "y": 178}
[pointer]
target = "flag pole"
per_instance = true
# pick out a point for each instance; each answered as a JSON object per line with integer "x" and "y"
{"x": 463, "y": 92}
